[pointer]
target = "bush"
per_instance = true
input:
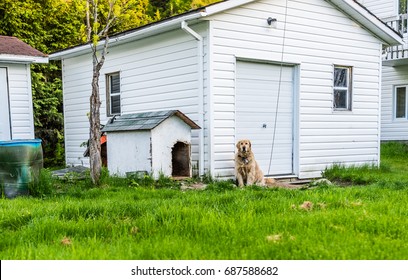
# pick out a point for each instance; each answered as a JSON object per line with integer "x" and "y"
{"x": 43, "y": 185}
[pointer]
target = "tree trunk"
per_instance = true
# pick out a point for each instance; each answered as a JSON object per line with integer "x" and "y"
{"x": 95, "y": 101}
{"x": 95, "y": 126}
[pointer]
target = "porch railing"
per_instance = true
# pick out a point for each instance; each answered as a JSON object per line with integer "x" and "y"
{"x": 401, "y": 26}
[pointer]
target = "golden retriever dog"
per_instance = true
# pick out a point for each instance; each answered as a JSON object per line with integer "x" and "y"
{"x": 247, "y": 169}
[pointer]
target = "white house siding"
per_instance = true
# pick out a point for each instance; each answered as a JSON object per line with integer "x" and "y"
{"x": 20, "y": 98}
{"x": 384, "y": 9}
{"x": 317, "y": 37}
{"x": 157, "y": 73}
{"x": 77, "y": 75}
{"x": 392, "y": 129}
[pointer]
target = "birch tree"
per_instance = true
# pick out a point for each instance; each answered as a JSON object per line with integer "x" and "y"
{"x": 102, "y": 16}
{"x": 94, "y": 32}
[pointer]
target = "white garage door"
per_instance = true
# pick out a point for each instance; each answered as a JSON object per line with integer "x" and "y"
{"x": 257, "y": 90}
{"x": 4, "y": 107}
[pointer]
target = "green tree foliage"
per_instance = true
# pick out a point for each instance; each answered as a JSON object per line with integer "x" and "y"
{"x": 52, "y": 25}
{"x": 167, "y": 8}
{"x": 46, "y": 25}
{"x": 48, "y": 119}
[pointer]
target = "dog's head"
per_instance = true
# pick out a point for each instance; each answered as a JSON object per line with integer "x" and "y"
{"x": 244, "y": 146}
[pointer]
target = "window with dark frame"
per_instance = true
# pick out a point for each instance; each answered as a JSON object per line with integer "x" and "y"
{"x": 342, "y": 79}
{"x": 400, "y": 102}
{"x": 113, "y": 94}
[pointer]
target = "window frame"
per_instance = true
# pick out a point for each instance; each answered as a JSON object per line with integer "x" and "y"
{"x": 109, "y": 94}
{"x": 395, "y": 104}
{"x": 348, "y": 88}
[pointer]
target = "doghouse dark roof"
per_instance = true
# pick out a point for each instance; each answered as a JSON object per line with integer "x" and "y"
{"x": 144, "y": 121}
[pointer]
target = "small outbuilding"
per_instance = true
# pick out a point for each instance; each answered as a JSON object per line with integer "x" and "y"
{"x": 152, "y": 142}
{"x": 16, "y": 106}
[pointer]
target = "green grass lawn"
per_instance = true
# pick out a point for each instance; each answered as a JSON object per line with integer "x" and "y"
{"x": 134, "y": 219}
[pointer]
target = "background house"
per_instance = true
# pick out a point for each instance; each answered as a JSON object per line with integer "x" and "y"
{"x": 301, "y": 79}
{"x": 16, "y": 107}
{"x": 394, "y": 92}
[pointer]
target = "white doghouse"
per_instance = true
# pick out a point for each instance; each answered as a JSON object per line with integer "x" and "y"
{"x": 152, "y": 142}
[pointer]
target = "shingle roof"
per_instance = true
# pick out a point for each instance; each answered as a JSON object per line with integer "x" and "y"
{"x": 144, "y": 121}
{"x": 14, "y": 46}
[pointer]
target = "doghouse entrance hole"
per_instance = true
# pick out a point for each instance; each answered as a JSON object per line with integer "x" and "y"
{"x": 180, "y": 159}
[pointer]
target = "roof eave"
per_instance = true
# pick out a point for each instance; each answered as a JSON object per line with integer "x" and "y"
{"x": 8, "y": 58}
{"x": 369, "y": 21}
{"x": 186, "y": 120}
{"x": 139, "y": 33}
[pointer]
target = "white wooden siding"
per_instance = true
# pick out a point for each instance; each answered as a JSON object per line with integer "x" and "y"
{"x": 384, "y": 9}
{"x": 392, "y": 129}
{"x": 157, "y": 73}
{"x": 317, "y": 37}
{"x": 21, "y": 106}
{"x": 77, "y": 75}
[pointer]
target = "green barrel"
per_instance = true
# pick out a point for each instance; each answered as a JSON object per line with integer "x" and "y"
{"x": 20, "y": 165}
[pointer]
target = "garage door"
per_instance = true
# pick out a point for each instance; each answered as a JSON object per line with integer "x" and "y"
{"x": 4, "y": 106}
{"x": 257, "y": 87}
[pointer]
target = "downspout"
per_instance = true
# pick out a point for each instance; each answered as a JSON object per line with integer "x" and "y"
{"x": 380, "y": 105}
{"x": 200, "y": 50}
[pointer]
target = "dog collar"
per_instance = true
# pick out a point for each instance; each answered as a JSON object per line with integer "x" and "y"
{"x": 245, "y": 160}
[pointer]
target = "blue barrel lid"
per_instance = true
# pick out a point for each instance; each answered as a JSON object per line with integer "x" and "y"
{"x": 21, "y": 142}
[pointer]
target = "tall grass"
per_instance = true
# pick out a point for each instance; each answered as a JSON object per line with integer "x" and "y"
{"x": 392, "y": 172}
{"x": 132, "y": 219}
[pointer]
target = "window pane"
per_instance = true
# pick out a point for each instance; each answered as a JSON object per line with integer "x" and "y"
{"x": 340, "y": 77}
{"x": 340, "y": 99}
{"x": 401, "y": 102}
{"x": 115, "y": 84}
{"x": 113, "y": 94}
{"x": 115, "y": 104}
{"x": 402, "y": 6}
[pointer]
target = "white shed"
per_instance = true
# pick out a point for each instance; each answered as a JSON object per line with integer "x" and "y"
{"x": 16, "y": 107}
{"x": 300, "y": 78}
{"x": 152, "y": 142}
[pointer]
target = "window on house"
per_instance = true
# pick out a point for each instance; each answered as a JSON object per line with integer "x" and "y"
{"x": 342, "y": 88}
{"x": 401, "y": 102}
{"x": 402, "y": 10}
{"x": 113, "y": 94}
{"x": 402, "y": 7}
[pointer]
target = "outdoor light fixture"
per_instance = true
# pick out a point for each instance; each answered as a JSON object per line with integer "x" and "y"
{"x": 272, "y": 22}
